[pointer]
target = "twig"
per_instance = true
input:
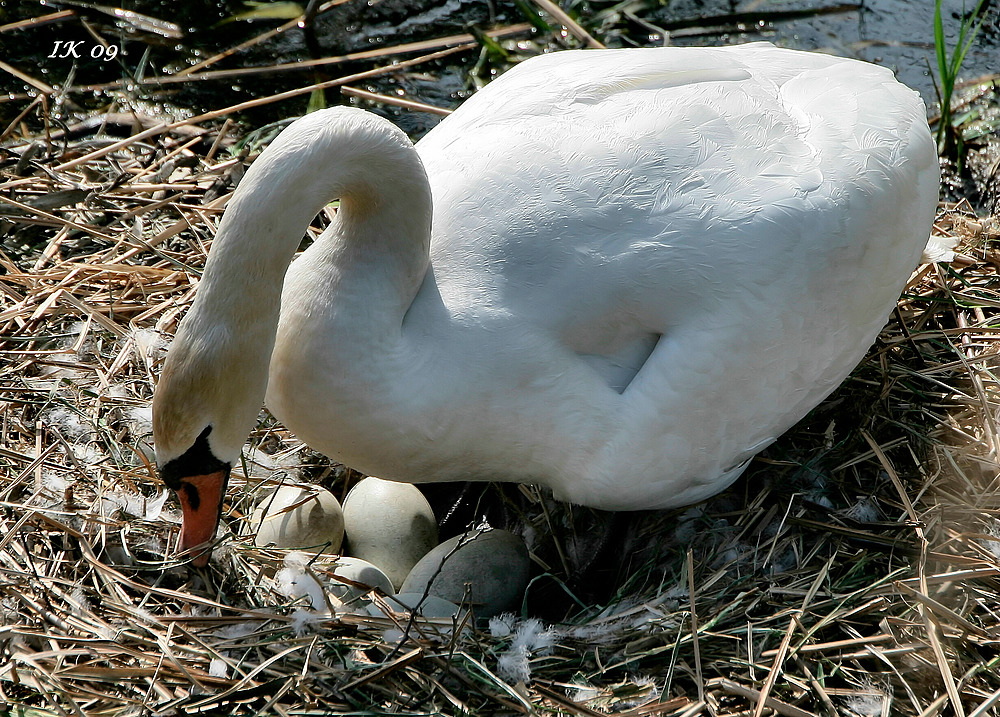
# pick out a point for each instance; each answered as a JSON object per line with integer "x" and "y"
{"x": 569, "y": 23}
{"x": 395, "y": 101}
{"x": 782, "y": 708}
{"x": 776, "y": 668}
{"x": 694, "y": 627}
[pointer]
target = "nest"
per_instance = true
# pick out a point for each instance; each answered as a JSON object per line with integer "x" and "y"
{"x": 853, "y": 570}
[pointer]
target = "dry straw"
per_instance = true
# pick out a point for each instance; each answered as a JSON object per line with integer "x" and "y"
{"x": 854, "y": 571}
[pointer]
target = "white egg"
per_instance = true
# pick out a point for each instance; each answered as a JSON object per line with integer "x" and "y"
{"x": 494, "y": 564}
{"x": 356, "y": 570}
{"x": 302, "y": 518}
{"x": 390, "y": 525}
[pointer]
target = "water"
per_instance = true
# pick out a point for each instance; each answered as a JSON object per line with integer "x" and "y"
{"x": 898, "y": 34}
{"x": 895, "y": 33}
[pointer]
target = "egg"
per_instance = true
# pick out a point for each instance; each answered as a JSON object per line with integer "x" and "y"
{"x": 494, "y": 564}
{"x": 359, "y": 571}
{"x": 429, "y": 607}
{"x": 302, "y": 518}
{"x": 390, "y": 525}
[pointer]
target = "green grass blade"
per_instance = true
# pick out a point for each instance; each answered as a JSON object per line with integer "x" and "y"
{"x": 942, "y": 58}
{"x": 964, "y": 43}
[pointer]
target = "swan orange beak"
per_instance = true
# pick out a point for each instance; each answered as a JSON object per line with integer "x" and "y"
{"x": 201, "y": 504}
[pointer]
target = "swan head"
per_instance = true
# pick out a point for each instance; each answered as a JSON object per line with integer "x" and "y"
{"x": 200, "y": 480}
{"x": 215, "y": 376}
{"x": 206, "y": 402}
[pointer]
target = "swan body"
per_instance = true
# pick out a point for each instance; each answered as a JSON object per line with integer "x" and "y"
{"x": 617, "y": 273}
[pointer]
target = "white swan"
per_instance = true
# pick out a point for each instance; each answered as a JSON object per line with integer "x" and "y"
{"x": 643, "y": 267}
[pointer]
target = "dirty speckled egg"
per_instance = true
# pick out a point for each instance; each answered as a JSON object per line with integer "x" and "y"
{"x": 390, "y": 525}
{"x": 302, "y": 518}
{"x": 360, "y": 571}
{"x": 494, "y": 563}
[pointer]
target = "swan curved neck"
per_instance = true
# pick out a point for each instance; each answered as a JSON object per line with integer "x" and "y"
{"x": 346, "y": 154}
{"x": 216, "y": 372}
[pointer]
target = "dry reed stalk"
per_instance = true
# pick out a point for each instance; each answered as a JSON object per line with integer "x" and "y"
{"x": 451, "y": 42}
{"x": 263, "y": 37}
{"x": 394, "y": 101}
{"x": 569, "y": 23}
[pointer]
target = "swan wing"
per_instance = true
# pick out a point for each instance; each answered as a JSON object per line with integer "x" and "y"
{"x": 595, "y": 181}
{"x": 712, "y": 231}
